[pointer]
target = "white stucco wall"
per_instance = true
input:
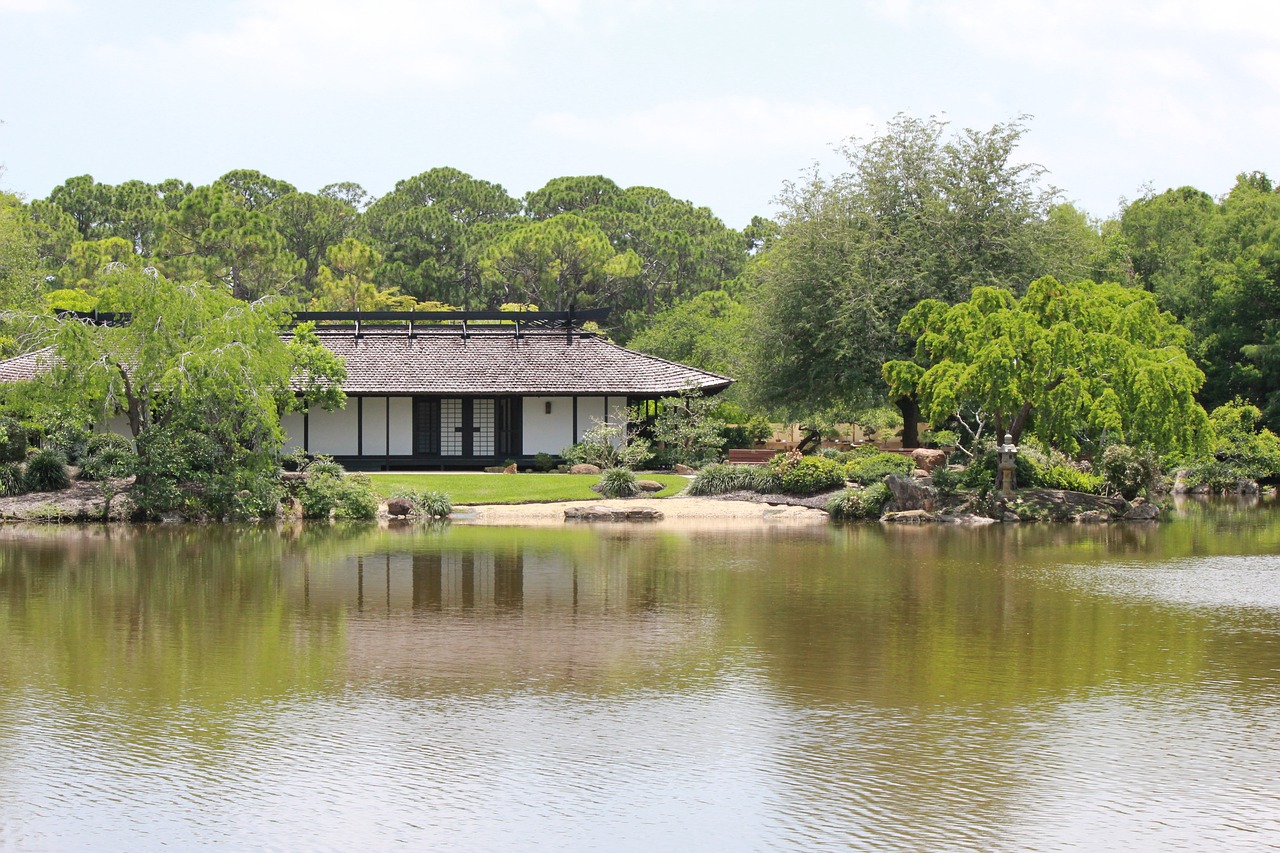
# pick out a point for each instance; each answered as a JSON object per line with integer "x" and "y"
{"x": 547, "y": 433}
{"x": 401, "y": 426}
{"x": 375, "y": 425}
{"x": 591, "y": 411}
{"x": 293, "y": 429}
{"x": 334, "y": 433}
{"x": 119, "y": 424}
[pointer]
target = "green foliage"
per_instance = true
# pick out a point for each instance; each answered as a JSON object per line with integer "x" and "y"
{"x": 12, "y": 481}
{"x": 1129, "y": 471}
{"x": 46, "y": 471}
{"x": 941, "y": 438}
{"x": 68, "y": 437}
{"x": 946, "y": 481}
{"x": 609, "y": 445}
{"x": 330, "y": 491}
{"x": 866, "y": 469}
{"x": 1071, "y": 479}
{"x": 1239, "y": 439}
{"x": 856, "y": 504}
{"x": 808, "y": 475}
{"x": 425, "y": 502}
{"x": 1066, "y": 362}
{"x": 108, "y": 457}
{"x": 685, "y": 425}
{"x": 618, "y": 483}
{"x": 718, "y": 479}
{"x": 544, "y": 462}
{"x": 13, "y": 440}
{"x": 917, "y": 215}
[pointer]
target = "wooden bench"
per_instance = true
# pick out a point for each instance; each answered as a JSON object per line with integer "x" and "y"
{"x": 750, "y": 457}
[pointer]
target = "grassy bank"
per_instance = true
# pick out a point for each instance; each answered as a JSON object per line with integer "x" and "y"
{"x": 509, "y": 488}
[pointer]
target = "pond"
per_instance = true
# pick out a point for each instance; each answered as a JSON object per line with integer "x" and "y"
{"x": 862, "y": 687}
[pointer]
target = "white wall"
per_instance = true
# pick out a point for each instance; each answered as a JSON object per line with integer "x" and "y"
{"x": 334, "y": 433}
{"x": 401, "y": 426}
{"x": 591, "y": 411}
{"x": 119, "y": 424}
{"x": 375, "y": 425}
{"x": 293, "y": 430}
{"x": 545, "y": 433}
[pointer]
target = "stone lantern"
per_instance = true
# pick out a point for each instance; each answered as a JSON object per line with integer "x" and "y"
{"x": 1007, "y": 471}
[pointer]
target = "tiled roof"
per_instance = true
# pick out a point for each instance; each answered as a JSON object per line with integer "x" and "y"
{"x": 483, "y": 363}
{"x": 492, "y": 363}
{"x": 24, "y": 367}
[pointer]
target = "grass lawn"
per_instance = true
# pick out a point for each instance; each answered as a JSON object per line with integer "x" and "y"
{"x": 510, "y": 488}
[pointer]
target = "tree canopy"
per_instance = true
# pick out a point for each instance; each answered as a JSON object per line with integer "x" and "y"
{"x": 1071, "y": 363}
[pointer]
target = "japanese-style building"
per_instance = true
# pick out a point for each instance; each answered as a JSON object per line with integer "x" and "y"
{"x": 467, "y": 389}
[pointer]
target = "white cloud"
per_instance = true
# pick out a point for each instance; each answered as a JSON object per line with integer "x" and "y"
{"x": 359, "y": 44}
{"x": 725, "y": 127}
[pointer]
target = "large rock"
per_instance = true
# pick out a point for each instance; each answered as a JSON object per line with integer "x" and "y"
{"x": 511, "y": 469}
{"x": 584, "y": 468}
{"x": 909, "y": 494}
{"x": 685, "y": 470}
{"x": 649, "y": 486}
{"x": 929, "y": 458}
{"x": 599, "y": 512}
{"x": 910, "y": 516}
{"x": 1142, "y": 512}
{"x": 399, "y": 507}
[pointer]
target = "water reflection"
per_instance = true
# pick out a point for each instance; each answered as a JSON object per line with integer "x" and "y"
{"x": 870, "y": 687}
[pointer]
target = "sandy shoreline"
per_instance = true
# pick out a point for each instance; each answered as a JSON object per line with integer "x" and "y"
{"x": 675, "y": 510}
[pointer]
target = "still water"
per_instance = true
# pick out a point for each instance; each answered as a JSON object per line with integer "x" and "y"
{"x": 607, "y": 688}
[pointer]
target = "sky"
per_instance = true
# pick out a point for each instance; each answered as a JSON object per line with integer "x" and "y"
{"x": 719, "y": 102}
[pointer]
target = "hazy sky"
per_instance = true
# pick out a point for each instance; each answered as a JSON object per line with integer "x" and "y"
{"x": 715, "y": 101}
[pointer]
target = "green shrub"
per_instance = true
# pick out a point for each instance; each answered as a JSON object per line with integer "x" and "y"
{"x": 11, "y": 479}
{"x": 544, "y": 462}
{"x": 426, "y": 504}
{"x": 618, "y": 483}
{"x": 328, "y": 490}
{"x": 1071, "y": 480}
{"x": 946, "y": 481}
{"x": 241, "y": 494}
{"x": 866, "y": 468}
{"x": 941, "y": 438}
{"x": 108, "y": 457}
{"x": 609, "y": 445}
{"x": 1128, "y": 470}
{"x": 810, "y": 475}
{"x": 69, "y": 438}
{"x": 46, "y": 471}
{"x": 13, "y": 440}
{"x": 854, "y": 504}
{"x": 1219, "y": 475}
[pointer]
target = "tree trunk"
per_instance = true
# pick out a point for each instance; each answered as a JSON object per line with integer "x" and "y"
{"x": 910, "y": 418}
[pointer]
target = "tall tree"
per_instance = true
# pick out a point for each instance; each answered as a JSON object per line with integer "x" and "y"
{"x": 915, "y": 216}
{"x": 213, "y": 236}
{"x": 426, "y": 228}
{"x": 310, "y": 225}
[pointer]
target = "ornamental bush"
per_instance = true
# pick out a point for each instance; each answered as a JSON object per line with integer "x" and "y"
{"x": 46, "y": 471}
{"x": 1129, "y": 470}
{"x": 1072, "y": 480}
{"x": 13, "y": 440}
{"x": 718, "y": 479}
{"x": 618, "y": 483}
{"x": 330, "y": 491}
{"x": 809, "y": 475}
{"x": 866, "y": 469}
{"x": 946, "y": 481}
{"x": 853, "y": 504}
{"x": 109, "y": 456}
{"x": 426, "y": 504}
{"x": 11, "y": 480}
